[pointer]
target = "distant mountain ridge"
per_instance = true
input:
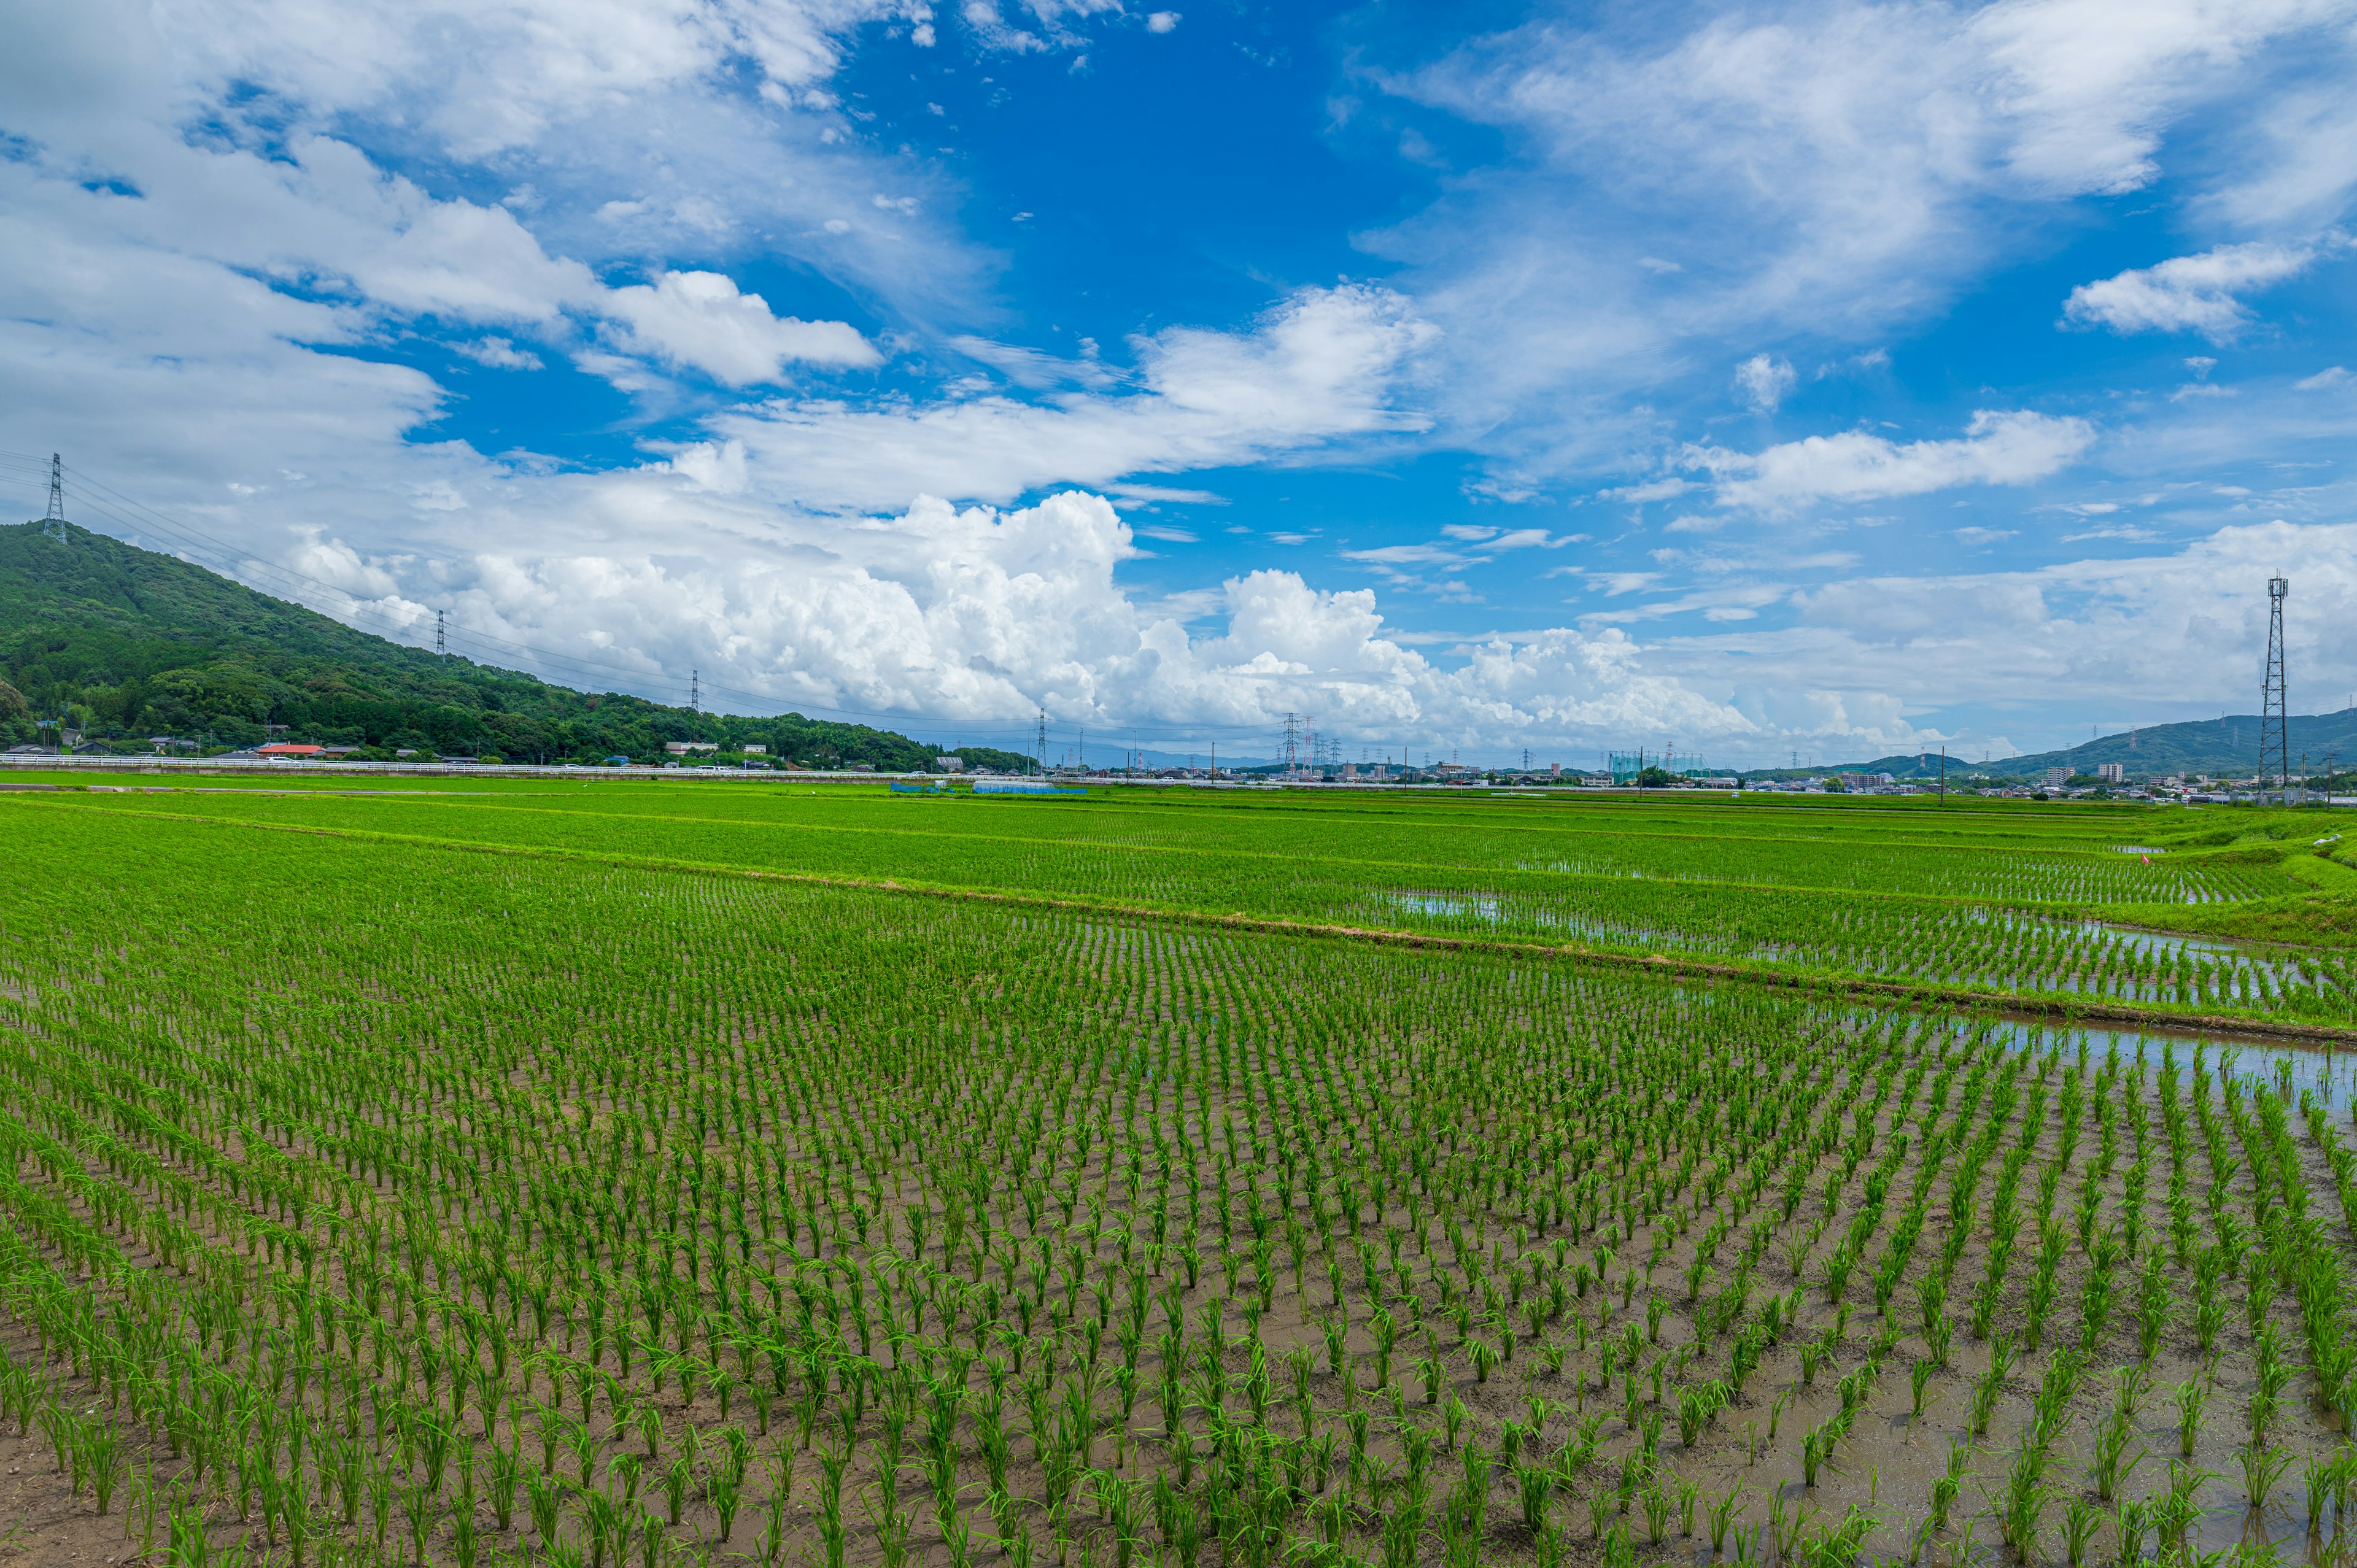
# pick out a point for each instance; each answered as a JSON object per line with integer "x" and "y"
{"x": 124, "y": 643}
{"x": 2229, "y": 744}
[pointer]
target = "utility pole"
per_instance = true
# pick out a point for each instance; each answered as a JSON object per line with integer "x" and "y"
{"x": 53, "y": 525}
{"x": 2274, "y": 715}
{"x": 441, "y": 645}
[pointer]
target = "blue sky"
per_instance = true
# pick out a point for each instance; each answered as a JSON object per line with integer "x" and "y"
{"x": 1815, "y": 381}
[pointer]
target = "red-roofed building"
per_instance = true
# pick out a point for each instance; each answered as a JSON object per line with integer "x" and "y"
{"x": 289, "y": 749}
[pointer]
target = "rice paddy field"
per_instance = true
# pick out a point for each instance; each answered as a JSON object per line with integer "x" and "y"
{"x": 610, "y": 1175}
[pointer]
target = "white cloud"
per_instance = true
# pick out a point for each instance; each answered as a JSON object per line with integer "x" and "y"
{"x": 1998, "y": 449}
{"x": 701, "y": 320}
{"x": 1161, "y": 21}
{"x": 2334, "y": 376}
{"x": 498, "y": 354}
{"x": 1836, "y": 172}
{"x": 2175, "y": 627}
{"x": 2187, "y": 294}
{"x": 1764, "y": 382}
{"x": 1031, "y": 368}
{"x": 1326, "y": 365}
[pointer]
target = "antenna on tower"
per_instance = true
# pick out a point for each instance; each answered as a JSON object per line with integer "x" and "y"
{"x": 440, "y": 646}
{"x": 53, "y": 525}
{"x": 2274, "y": 724}
{"x": 695, "y": 689}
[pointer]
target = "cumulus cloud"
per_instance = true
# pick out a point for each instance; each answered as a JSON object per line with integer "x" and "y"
{"x": 1764, "y": 382}
{"x": 2187, "y": 294}
{"x": 700, "y": 319}
{"x": 1996, "y": 448}
{"x": 983, "y": 613}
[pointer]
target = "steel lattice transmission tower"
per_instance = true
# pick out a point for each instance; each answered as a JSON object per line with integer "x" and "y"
{"x": 53, "y": 523}
{"x": 1039, "y": 741}
{"x": 2274, "y": 725}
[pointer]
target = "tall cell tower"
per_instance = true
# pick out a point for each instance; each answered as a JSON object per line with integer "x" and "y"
{"x": 2274, "y": 738}
{"x": 54, "y": 525}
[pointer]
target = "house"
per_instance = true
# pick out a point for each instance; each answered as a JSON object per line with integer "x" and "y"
{"x": 682, "y": 747}
{"x": 289, "y": 751}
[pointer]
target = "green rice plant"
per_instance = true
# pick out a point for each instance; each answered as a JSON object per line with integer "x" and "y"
{"x": 2189, "y": 1397}
{"x": 2115, "y": 1462}
{"x": 2262, "y": 1469}
{"x": 1919, "y": 1377}
{"x": 2316, "y": 1480}
{"x": 1950, "y": 1482}
{"x": 2129, "y": 1522}
{"x": 1723, "y": 1510}
{"x": 100, "y": 1461}
{"x": 2080, "y": 1519}
{"x": 2021, "y": 1500}
{"x": 1657, "y": 1513}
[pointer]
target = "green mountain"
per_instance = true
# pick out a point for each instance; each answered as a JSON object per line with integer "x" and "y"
{"x": 2228, "y": 746}
{"x": 126, "y": 643}
{"x": 2222, "y": 747}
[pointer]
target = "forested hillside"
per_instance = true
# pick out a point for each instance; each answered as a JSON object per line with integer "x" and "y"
{"x": 124, "y": 643}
